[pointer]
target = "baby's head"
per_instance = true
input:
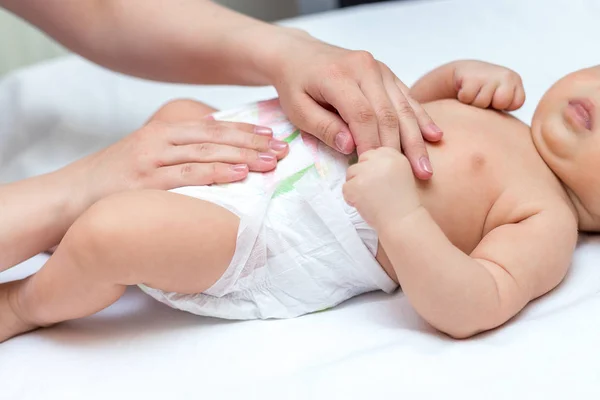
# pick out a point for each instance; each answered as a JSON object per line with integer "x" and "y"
{"x": 566, "y": 132}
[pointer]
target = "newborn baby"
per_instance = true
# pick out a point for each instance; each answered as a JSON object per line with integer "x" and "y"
{"x": 494, "y": 229}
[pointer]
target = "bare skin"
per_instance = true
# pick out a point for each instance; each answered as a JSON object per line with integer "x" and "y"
{"x": 497, "y": 228}
{"x": 346, "y": 98}
{"x": 76, "y": 282}
{"x": 493, "y": 230}
{"x": 486, "y": 236}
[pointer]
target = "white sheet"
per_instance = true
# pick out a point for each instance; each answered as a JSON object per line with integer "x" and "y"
{"x": 371, "y": 346}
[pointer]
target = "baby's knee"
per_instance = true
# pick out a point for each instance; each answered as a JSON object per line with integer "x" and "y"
{"x": 107, "y": 230}
{"x": 182, "y": 110}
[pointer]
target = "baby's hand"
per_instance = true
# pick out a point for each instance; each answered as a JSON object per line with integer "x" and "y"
{"x": 484, "y": 85}
{"x": 382, "y": 187}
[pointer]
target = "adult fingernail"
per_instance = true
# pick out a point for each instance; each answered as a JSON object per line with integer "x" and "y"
{"x": 277, "y": 145}
{"x": 434, "y": 128}
{"x": 425, "y": 164}
{"x": 267, "y": 157}
{"x": 263, "y": 130}
{"x": 341, "y": 141}
{"x": 239, "y": 168}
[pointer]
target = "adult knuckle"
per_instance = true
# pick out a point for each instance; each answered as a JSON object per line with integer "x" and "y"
{"x": 204, "y": 149}
{"x": 186, "y": 171}
{"x": 213, "y": 129}
{"x": 325, "y": 128}
{"x": 365, "y": 59}
{"x": 336, "y": 71}
{"x": 388, "y": 118}
{"x": 405, "y": 111}
{"x": 365, "y": 115}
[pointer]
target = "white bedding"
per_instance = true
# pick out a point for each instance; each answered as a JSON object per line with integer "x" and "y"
{"x": 372, "y": 345}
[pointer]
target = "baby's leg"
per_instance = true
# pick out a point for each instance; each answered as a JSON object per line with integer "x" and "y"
{"x": 177, "y": 111}
{"x": 164, "y": 240}
{"x": 182, "y": 111}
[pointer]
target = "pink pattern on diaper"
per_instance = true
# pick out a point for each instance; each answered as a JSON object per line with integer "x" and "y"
{"x": 269, "y": 112}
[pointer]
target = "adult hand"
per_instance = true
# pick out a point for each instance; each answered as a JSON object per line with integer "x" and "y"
{"x": 349, "y": 100}
{"x": 164, "y": 156}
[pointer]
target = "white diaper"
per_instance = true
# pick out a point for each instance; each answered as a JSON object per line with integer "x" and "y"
{"x": 300, "y": 247}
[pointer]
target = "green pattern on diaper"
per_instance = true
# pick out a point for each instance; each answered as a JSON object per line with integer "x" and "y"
{"x": 293, "y": 136}
{"x": 287, "y": 185}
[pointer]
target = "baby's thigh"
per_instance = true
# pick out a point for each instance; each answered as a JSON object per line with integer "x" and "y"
{"x": 182, "y": 111}
{"x": 161, "y": 239}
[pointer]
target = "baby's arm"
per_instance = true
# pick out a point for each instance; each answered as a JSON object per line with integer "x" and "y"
{"x": 476, "y": 83}
{"x": 457, "y": 293}
{"x": 463, "y": 295}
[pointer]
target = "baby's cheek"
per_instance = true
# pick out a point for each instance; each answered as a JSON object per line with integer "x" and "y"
{"x": 558, "y": 139}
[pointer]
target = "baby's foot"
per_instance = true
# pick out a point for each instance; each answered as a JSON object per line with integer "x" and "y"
{"x": 11, "y": 323}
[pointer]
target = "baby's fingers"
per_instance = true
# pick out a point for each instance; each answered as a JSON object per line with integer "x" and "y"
{"x": 485, "y": 95}
{"x": 468, "y": 90}
{"x": 355, "y": 170}
{"x": 503, "y": 97}
{"x": 349, "y": 191}
{"x": 518, "y": 99}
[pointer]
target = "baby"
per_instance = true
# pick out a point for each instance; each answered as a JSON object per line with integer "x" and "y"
{"x": 494, "y": 229}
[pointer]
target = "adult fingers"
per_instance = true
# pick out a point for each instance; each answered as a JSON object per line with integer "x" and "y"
{"x": 356, "y": 110}
{"x": 411, "y": 136}
{"x": 199, "y": 174}
{"x": 233, "y": 133}
{"x": 387, "y": 111}
{"x": 330, "y": 128}
{"x": 212, "y": 152}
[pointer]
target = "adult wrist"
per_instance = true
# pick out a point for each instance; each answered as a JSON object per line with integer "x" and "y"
{"x": 276, "y": 46}
{"x": 73, "y": 189}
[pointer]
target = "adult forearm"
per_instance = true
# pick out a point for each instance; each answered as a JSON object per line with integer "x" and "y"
{"x": 452, "y": 291}
{"x": 35, "y": 214}
{"x": 188, "y": 41}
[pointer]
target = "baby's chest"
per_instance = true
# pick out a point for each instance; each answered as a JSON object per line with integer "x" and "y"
{"x": 471, "y": 171}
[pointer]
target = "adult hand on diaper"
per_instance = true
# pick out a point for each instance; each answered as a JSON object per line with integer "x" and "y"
{"x": 165, "y": 156}
{"x": 381, "y": 186}
{"x": 349, "y": 100}
{"x": 484, "y": 85}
